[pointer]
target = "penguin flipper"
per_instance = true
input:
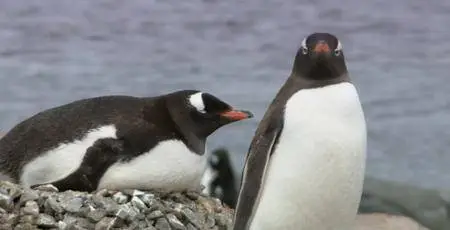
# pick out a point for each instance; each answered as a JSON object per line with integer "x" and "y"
{"x": 257, "y": 161}
{"x": 98, "y": 158}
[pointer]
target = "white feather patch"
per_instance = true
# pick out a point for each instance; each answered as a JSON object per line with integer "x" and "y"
{"x": 196, "y": 100}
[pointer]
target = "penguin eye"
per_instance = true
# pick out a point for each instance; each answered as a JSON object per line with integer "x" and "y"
{"x": 337, "y": 52}
{"x": 304, "y": 50}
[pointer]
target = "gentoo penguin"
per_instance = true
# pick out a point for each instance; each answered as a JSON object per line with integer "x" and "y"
{"x": 305, "y": 165}
{"x": 117, "y": 142}
{"x": 219, "y": 179}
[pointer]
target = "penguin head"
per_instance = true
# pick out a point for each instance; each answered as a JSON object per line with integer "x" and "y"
{"x": 320, "y": 57}
{"x": 210, "y": 113}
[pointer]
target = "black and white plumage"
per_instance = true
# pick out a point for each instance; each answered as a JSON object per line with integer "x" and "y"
{"x": 219, "y": 179}
{"x": 117, "y": 142}
{"x": 305, "y": 166}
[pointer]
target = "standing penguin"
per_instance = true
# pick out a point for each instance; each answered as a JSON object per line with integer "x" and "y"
{"x": 305, "y": 166}
{"x": 117, "y": 142}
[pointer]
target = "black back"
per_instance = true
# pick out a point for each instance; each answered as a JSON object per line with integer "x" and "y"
{"x": 141, "y": 123}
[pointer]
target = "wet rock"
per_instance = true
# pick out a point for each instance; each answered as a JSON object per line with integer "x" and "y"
{"x": 47, "y": 188}
{"x": 155, "y": 214}
{"x": 138, "y": 203}
{"x": 29, "y": 195}
{"x": 120, "y": 198}
{"x": 175, "y": 223}
{"x": 6, "y": 202}
{"x": 191, "y": 217}
{"x": 72, "y": 204}
{"x": 162, "y": 224}
{"x": 46, "y": 221}
{"x": 96, "y": 215}
{"x": 31, "y": 208}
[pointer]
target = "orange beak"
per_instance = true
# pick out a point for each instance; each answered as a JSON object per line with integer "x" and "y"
{"x": 236, "y": 115}
{"x": 321, "y": 47}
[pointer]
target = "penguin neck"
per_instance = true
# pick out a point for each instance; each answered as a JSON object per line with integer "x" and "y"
{"x": 184, "y": 125}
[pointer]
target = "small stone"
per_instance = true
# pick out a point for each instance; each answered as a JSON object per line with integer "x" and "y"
{"x": 96, "y": 215}
{"x": 25, "y": 226}
{"x": 2, "y": 211}
{"x": 148, "y": 199}
{"x": 69, "y": 219}
{"x": 73, "y": 205}
{"x": 47, "y": 188}
{"x": 191, "y": 217}
{"x": 138, "y": 203}
{"x": 6, "y": 202}
{"x": 210, "y": 221}
{"x": 154, "y": 215}
{"x": 52, "y": 204}
{"x": 192, "y": 195}
{"x": 10, "y": 219}
{"x": 138, "y": 193}
{"x": 191, "y": 227}
{"x": 120, "y": 198}
{"x": 222, "y": 220}
{"x": 122, "y": 213}
{"x": 105, "y": 224}
{"x": 162, "y": 224}
{"x": 150, "y": 228}
{"x": 62, "y": 225}
{"x": 29, "y": 195}
{"x": 31, "y": 208}
{"x": 46, "y": 221}
{"x": 31, "y": 219}
{"x": 108, "y": 204}
{"x": 175, "y": 223}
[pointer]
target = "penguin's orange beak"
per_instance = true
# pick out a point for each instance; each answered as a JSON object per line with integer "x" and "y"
{"x": 236, "y": 115}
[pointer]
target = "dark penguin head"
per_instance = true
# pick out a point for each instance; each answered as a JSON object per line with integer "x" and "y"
{"x": 222, "y": 184}
{"x": 200, "y": 114}
{"x": 320, "y": 57}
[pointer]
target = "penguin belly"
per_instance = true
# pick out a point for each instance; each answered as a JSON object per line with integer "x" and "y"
{"x": 59, "y": 162}
{"x": 170, "y": 165}
{"x": 315, "y": 176}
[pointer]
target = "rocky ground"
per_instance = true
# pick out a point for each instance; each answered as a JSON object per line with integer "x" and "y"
{"x": 45, "y": 208}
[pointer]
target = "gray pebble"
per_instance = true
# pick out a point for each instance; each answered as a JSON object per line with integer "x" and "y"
{"x": 150, "y": 228}
{"x": 6, "y": 202}
{"x": 29, "y": 195}
{"x": 162, "y": 224}
{"x": 191, "y": 217}
{"x": 120, "y": 198}
{"x": 96, "y": 215}
{"x": 122, "y": 213}
{"x": 24, "y": 226}
{"x": 138, "y": 203}
{"x": 28, "y": 219}
{"x": 31, "y": 208}
{"x": 175, "y": 223}
{"x": 47, "y": 188}
{"x": 46, "y": 221}
{"x": 222, "y": 220}
{"x": 210, "y": 221}
{"x": 154, "y": 215}
{"x": 191, "y": 227}
{"x": 148, "y": 199}
{"x": 72, "y": 205}
{"x": 105, "y": 224}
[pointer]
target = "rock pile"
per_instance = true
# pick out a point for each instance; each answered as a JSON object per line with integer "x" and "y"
{"x": 46, "y": 208}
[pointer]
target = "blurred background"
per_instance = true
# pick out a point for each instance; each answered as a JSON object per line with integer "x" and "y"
{"x": 56, "y": 51}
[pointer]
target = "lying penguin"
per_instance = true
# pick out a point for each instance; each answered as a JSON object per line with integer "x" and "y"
{"x": 117, "y": 142}
{"x": 219, "y": 180}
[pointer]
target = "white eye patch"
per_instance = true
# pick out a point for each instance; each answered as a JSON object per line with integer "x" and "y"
{"x": 304, "y": 44}
{"x": 339, "y": 46}
{"x": 196, "y": 100}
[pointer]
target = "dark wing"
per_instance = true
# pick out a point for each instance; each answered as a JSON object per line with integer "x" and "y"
{"x": 256, "y": 164}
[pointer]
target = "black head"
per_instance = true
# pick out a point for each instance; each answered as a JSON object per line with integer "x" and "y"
{"x": 199, "y": 114}
{"x": 320, "y": 57}
{"x": 210, "y": 113}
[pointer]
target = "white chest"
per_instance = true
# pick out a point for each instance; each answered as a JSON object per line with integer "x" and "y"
{"x": 314, "y": 179}
{"x": 169, "y": 165}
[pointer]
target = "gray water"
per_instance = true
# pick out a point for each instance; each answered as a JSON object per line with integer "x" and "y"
{"x": 398, "y": 52}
